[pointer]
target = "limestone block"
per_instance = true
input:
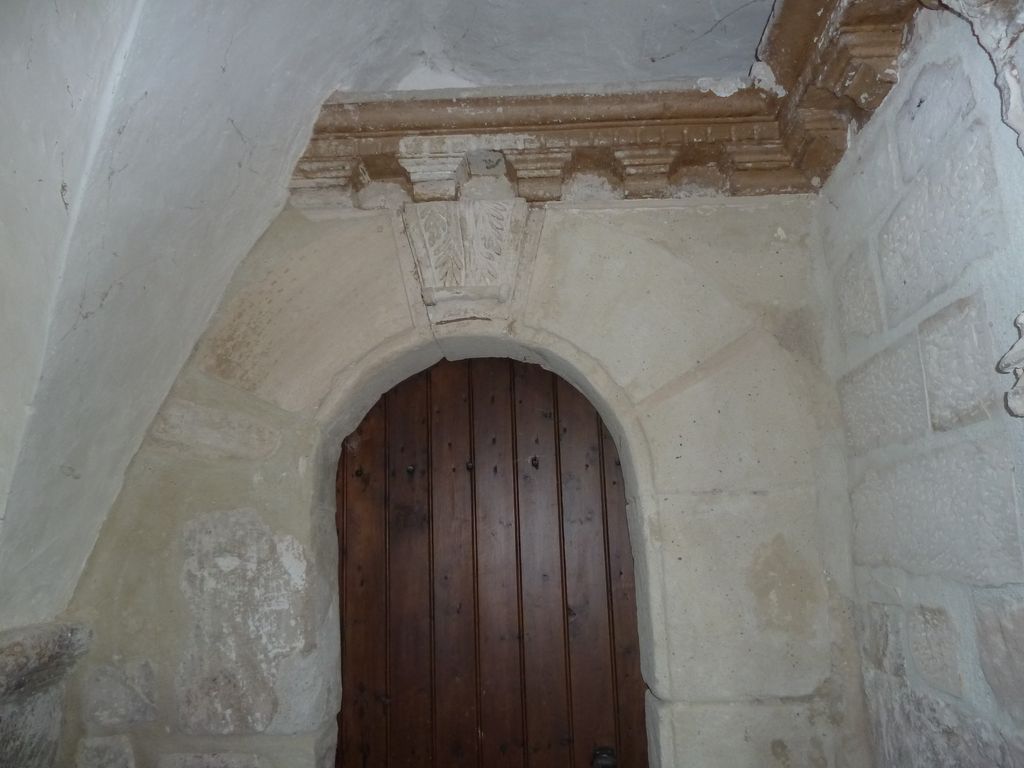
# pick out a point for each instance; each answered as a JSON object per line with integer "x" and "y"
{"x": 883, "y": 400}
{"x": 1000, "y": 628}
{"x": 935, "y": 647}
{"x": 860, "y": 313}
{"x": 747, "y": 423}
{"x": 246, "y": 590}
{"x": 950, "y": 512}
{"x": 619, "y": 297}
{"x": 34, "y": 663}
{"x": 211, "y": 433}
{"x": 116, "y": 695}
{"x": 914, "y": 730}
{"x": 751, "y": 736}
{"x": 211, "y": 760}
{"x": 948, "y": 219}
{"x": 748, "y": 615}
{"x": 105, "y": 752}
{"x": 881, "y": 633}
{"x": 310, "y": 298}
{"x": 862, "y": 188}
{"x": 957, "y": 352}
{"x": 939, "y": 103}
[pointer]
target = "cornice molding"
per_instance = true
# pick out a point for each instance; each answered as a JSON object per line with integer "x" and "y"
{"x": 835, "y": 59}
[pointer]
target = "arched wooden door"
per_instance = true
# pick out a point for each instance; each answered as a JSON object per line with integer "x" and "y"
{"x": 487, "y": 593}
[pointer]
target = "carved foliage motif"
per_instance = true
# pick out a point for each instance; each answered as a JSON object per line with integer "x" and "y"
{"x": 466, "y": 250}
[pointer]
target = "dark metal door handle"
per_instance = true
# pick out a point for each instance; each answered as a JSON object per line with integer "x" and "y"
{"x": 604, "y": 757}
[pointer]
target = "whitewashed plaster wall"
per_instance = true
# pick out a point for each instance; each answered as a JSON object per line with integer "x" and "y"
{"x": 146, "y": 145}
{"x": 692, "y": 327}
{"x": 922, "y": 228}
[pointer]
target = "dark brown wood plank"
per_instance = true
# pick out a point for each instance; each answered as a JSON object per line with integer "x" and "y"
{"x": 410, "y": 724}
{"x": 501, "y": 702}
{"x": 548, "y": 729}
{"x": 364, "y": 667}
{"x": 455, "y": 726}
{"x": 586, "y": 574}
{"x": 630, "y": 685}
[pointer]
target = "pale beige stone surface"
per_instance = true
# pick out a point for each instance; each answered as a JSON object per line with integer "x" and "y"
{"x": 742, "y": 421}
{"x": 303, "y": 302}
{"x": 748, "y": 616}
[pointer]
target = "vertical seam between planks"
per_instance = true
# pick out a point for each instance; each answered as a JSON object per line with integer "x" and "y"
{"x": 610, "y": 607}
{"x": 476, "y": 562}
{"x": 342, "y": 567}
{"x": 514, "y": 415}
{"x": 556, "y": 423}
{"x": 386, "y": 512}
{"x": 430, "y": 564}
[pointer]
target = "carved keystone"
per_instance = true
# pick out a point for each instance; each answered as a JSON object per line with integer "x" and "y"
{"x": 645, "y": 170}
{"x": 466, "y": 250}
{"x": 539, "y": 172}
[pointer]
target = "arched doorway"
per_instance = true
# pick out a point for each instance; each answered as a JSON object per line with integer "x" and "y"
{"x": 487, "y": 590}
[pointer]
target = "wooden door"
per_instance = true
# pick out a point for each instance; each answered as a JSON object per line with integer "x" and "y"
{"x": 487, "y": 595}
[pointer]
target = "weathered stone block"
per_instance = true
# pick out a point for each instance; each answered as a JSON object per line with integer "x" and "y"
{"x": 882, "y": 638}
{"x": 956, "y": 349}
{"x": 30, "y": 728}
{"x": 883, "y": 401}
{"x": 748, "y": 614}
{"x": 751, "y": 735}
{"x": 747, "y": 424}
{"x": 211, "y": 760}
{"x": 951, "y": 512}
{"x": 935, "y": 648}
{"x": 1000, "y": 628}
{"x": 937, "y": 106}
{"x": 860, "y": 312}
{"x": 213, "y": 434}
{"x": 105, "y": 752}
{"x": 620, "y": 318}
{"x": 948, "y": 219}
{"x": 296, "y": 309}
{"x": 914, "y": 730}
{"x": 34, "y": 662}
{"x": 115, "y": 695}
{"x": 33, "y": 658}
{"x": 246, "y": 588}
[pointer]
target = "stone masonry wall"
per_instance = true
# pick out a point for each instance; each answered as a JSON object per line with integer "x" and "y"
{"x": 693, "y": 328}
{"x": 922, "y": 228}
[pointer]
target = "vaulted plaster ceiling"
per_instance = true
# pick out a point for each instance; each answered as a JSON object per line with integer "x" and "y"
{"x": 538, "y": 42}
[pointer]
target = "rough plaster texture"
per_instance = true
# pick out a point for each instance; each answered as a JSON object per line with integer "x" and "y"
{"x": 534, "y": 43}
{"x": 151, "y": 146}
{"x": 920, "y": 223}
{"x": 223, "y": 536}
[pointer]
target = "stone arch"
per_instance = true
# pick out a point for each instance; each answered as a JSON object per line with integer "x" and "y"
{"x": 702, "y": 367}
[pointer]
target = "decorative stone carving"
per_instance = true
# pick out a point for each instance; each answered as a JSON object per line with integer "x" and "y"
{"x": 435, "y": 176}
{"x": 831, "y": 62}
{"x": 645, "y": 170}
{"x": 467, "y": 250}
{"x": 1013, "y": 361}
{"x": 999, "y": 27}
{"x": 539, "y": 172}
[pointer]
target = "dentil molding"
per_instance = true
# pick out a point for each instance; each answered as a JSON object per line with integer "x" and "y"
{"x": 823, "y": 66}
